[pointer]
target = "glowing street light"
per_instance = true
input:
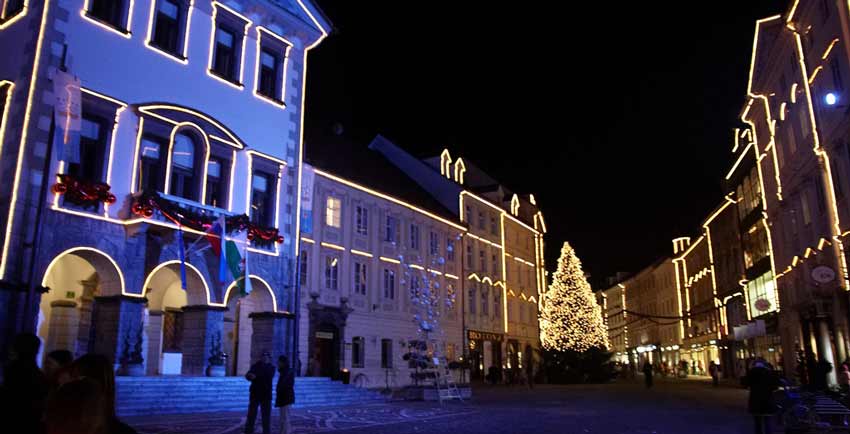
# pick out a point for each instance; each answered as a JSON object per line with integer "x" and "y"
{"x": 830, "y": 98}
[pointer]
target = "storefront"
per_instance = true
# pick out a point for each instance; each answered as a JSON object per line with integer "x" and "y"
{"x": 485, "y": 351}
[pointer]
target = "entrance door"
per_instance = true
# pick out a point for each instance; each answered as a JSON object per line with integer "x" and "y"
{"x": 327, "y": 350}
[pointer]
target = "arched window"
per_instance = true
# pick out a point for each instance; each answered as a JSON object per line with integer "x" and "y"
{"x": 183, "y": 167}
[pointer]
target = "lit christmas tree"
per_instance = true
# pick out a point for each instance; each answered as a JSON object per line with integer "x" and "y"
{"x": 571, "y": 320}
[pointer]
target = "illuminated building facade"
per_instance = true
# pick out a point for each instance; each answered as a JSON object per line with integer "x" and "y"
{"x": 366, "y": 245}
{"x": 502, "y": 266}
{"x": 614, "y": 313}
{"x": 796, "y": 117}
{"x": 179, "y": 112}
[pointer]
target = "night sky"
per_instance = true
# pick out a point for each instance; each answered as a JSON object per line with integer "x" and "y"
{"x": 618, "y": 119}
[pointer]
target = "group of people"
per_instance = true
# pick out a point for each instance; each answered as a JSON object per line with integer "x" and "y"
{"x": 67, "y": 396}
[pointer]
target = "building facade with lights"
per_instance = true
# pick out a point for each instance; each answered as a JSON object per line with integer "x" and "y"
{"x": 502, "y": 251}
{"x": 797, "y": 122}
{"x": 366, "y": 247}
{"x": 115, "y": 172}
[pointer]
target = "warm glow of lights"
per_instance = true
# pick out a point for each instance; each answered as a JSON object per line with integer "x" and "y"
{"x": 738, "y": 161}
{"x": 782, "y": 111}
{"x": 460, "y": 169}
{"x": 389, "y": 198}
{"x": 417, "y": 267}
{"x": 791, "y": 14}
{"x": 829, "y": 49}
{"x": 486, "y": 202}
{"x": 361, "y": 253}
{"x": 252, "y": 276}
{"x": 504, "y": 267}
{"x": 332, "y": 246}
{"x": 123, "y": 33}
{"x": 794, "y": 93}
{"x": 452, "y": 276}
{"x": 390, "y": 260}
{"x": 88, "y": 249}
{"x": 241, "y": 66}
{"x": 22, "y": 148}
{"x": 16, "y": 18}
{"x": 433, "y": 271}
{"x": 515, "y": 205}
{"x": 5, "y": 116}
{"x": 139, "y": 131}
{"x": 285, "y": 66}
{"x": 755, "y": 48}
{"x": 203, "y": 135}
{"x": 149, "y": 110}
{"x": 446, "y": 164}
{"x": 188, "y": 266}
{"x": 307, "y": 240}
{"x": 182, "y": 60}
{"x": 815, "y": 74}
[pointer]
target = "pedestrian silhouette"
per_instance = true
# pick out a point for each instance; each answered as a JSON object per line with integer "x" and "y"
{"x": 647, "y": 374}
{"x": 77, "y": 407}
{"x": 99, "y": 368}
{"x": 24, "y": 387}
{"x": 762, "y": 382}
{"x": 57, "y": 368}
{"x": 260, "y": 375}
{"x": 285, "y": 393}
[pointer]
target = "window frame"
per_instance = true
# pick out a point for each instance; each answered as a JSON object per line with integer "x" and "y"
{"x": 332, "y": 272}
{"x": 389, "y": 284}
{"x": 361, "y": 277}
{"x": 263, "y": 215}
{"x": 183, "y": 22}
{"x": 361, "y": 220}
{"x": 123, "y": 17}
{"x": 386, "y": 353}
{"x": 228, "y": 20}
{"x": 358, "y": 352}
{"x": 278, "y": 47}
{"x": 414, "y": 237}
{"x": 333, "y": 215}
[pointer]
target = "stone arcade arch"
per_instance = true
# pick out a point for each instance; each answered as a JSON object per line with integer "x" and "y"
{"x": 238, "y": 323}
{"x": 75, "y": 279}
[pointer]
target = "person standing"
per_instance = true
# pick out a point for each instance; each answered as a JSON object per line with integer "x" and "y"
{"x": 714, "y": 369}
{"x": 844, "y": 378}
{"x": 762, "y": 382}
{"x": 261, "y": 376}
{"x": 24, "y": 390}
{"x": 285, "y": 392}
{"x": 647, "y": 374}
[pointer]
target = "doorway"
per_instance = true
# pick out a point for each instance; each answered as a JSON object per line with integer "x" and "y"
{"x": 326, "y": 350}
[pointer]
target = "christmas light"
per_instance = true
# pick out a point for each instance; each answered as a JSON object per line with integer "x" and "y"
{"x": 88, "y": 249}
{"x": 252, "y": 276}
{"x": 571, "y": 319}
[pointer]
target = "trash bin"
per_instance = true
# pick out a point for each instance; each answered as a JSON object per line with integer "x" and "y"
{"x": 345, "y": 376}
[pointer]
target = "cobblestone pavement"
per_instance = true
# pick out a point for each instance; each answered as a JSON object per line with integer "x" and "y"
{"x": 672, "y": 406}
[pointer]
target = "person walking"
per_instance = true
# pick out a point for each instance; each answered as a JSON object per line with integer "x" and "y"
{"x": 285, "y": 392}
{"x": 762, "y": 382}
{"x": 647, "y": 374}
{"x": 714, "y": 370}
{"x": 261, "y": 376}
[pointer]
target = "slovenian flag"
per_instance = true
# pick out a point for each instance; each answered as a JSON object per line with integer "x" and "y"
{"x": 215, "y": 236}
{"x": 237, "y": 259}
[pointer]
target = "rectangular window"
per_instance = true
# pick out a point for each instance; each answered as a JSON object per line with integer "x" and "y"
{"x": 450, "y": 249}
{"x": 414, "y": 237}
{"x": 471, "y": 298}
{"x": 391, "y": 230}
{"x": 262, "y": 199}
{"x": 216, "y": 183}
{"x": 331, "y": 272}
{"x": 386, "y": 353}
{"x": 762, "y": 294}
{"x": 13, "y": 7}
{"x": 358, "y": 345}
{"x": 481, "y": 220}
{"x": 494, "y": 229}
{"x": 151, "y": 176}
{"x": 109, "y": 12}
{"x": 468, "y": 213}
{"x": 389, "y": 284}
{"x": 361, "y": 216}
{"x": 495, "y": 264}
{"x": 225, "y": 54}
{"x": 481, "y": 261}
{"x": 166, "y": 34}
{"x": 497, "y": 303}
{"x": 333, "y": 217}
{"x": 485, "y": 301}
{"x": 469, "y": 255}
{"x": 93, "y": 138}
{"x": 304, "y": 266}
{"x": 415, "y": 287}
{"x": 269, "y": 72}
{"x": 433, "y": 244}
{"x": 360, "y": 278}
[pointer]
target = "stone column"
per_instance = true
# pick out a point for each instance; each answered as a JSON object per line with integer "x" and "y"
{"x": 201, "y": 325}
{"x": 116, "y": 320}
{"x": 62, "y": 326}
{"x": 825, "y": 348}
{"x": 154, "y": 334}
{"x": 271, "y": 333}
{"x": 84, "y": 329}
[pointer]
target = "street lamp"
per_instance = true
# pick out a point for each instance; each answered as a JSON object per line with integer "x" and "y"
{"x": 830, "y": 99}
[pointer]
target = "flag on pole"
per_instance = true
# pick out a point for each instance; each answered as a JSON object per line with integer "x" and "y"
{"x": 182, "y": 257}
{"x": 215, "y": 236}
{"x": 237, "y": 255}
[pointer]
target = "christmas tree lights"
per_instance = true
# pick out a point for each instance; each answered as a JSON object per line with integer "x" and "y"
{"x": 571, "y": 320}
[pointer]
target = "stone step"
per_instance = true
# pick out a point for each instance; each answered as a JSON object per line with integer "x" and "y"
{"x": 170, "y": 395}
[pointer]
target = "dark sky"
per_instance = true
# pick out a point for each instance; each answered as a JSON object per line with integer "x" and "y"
{"x": 617, "y": 118}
